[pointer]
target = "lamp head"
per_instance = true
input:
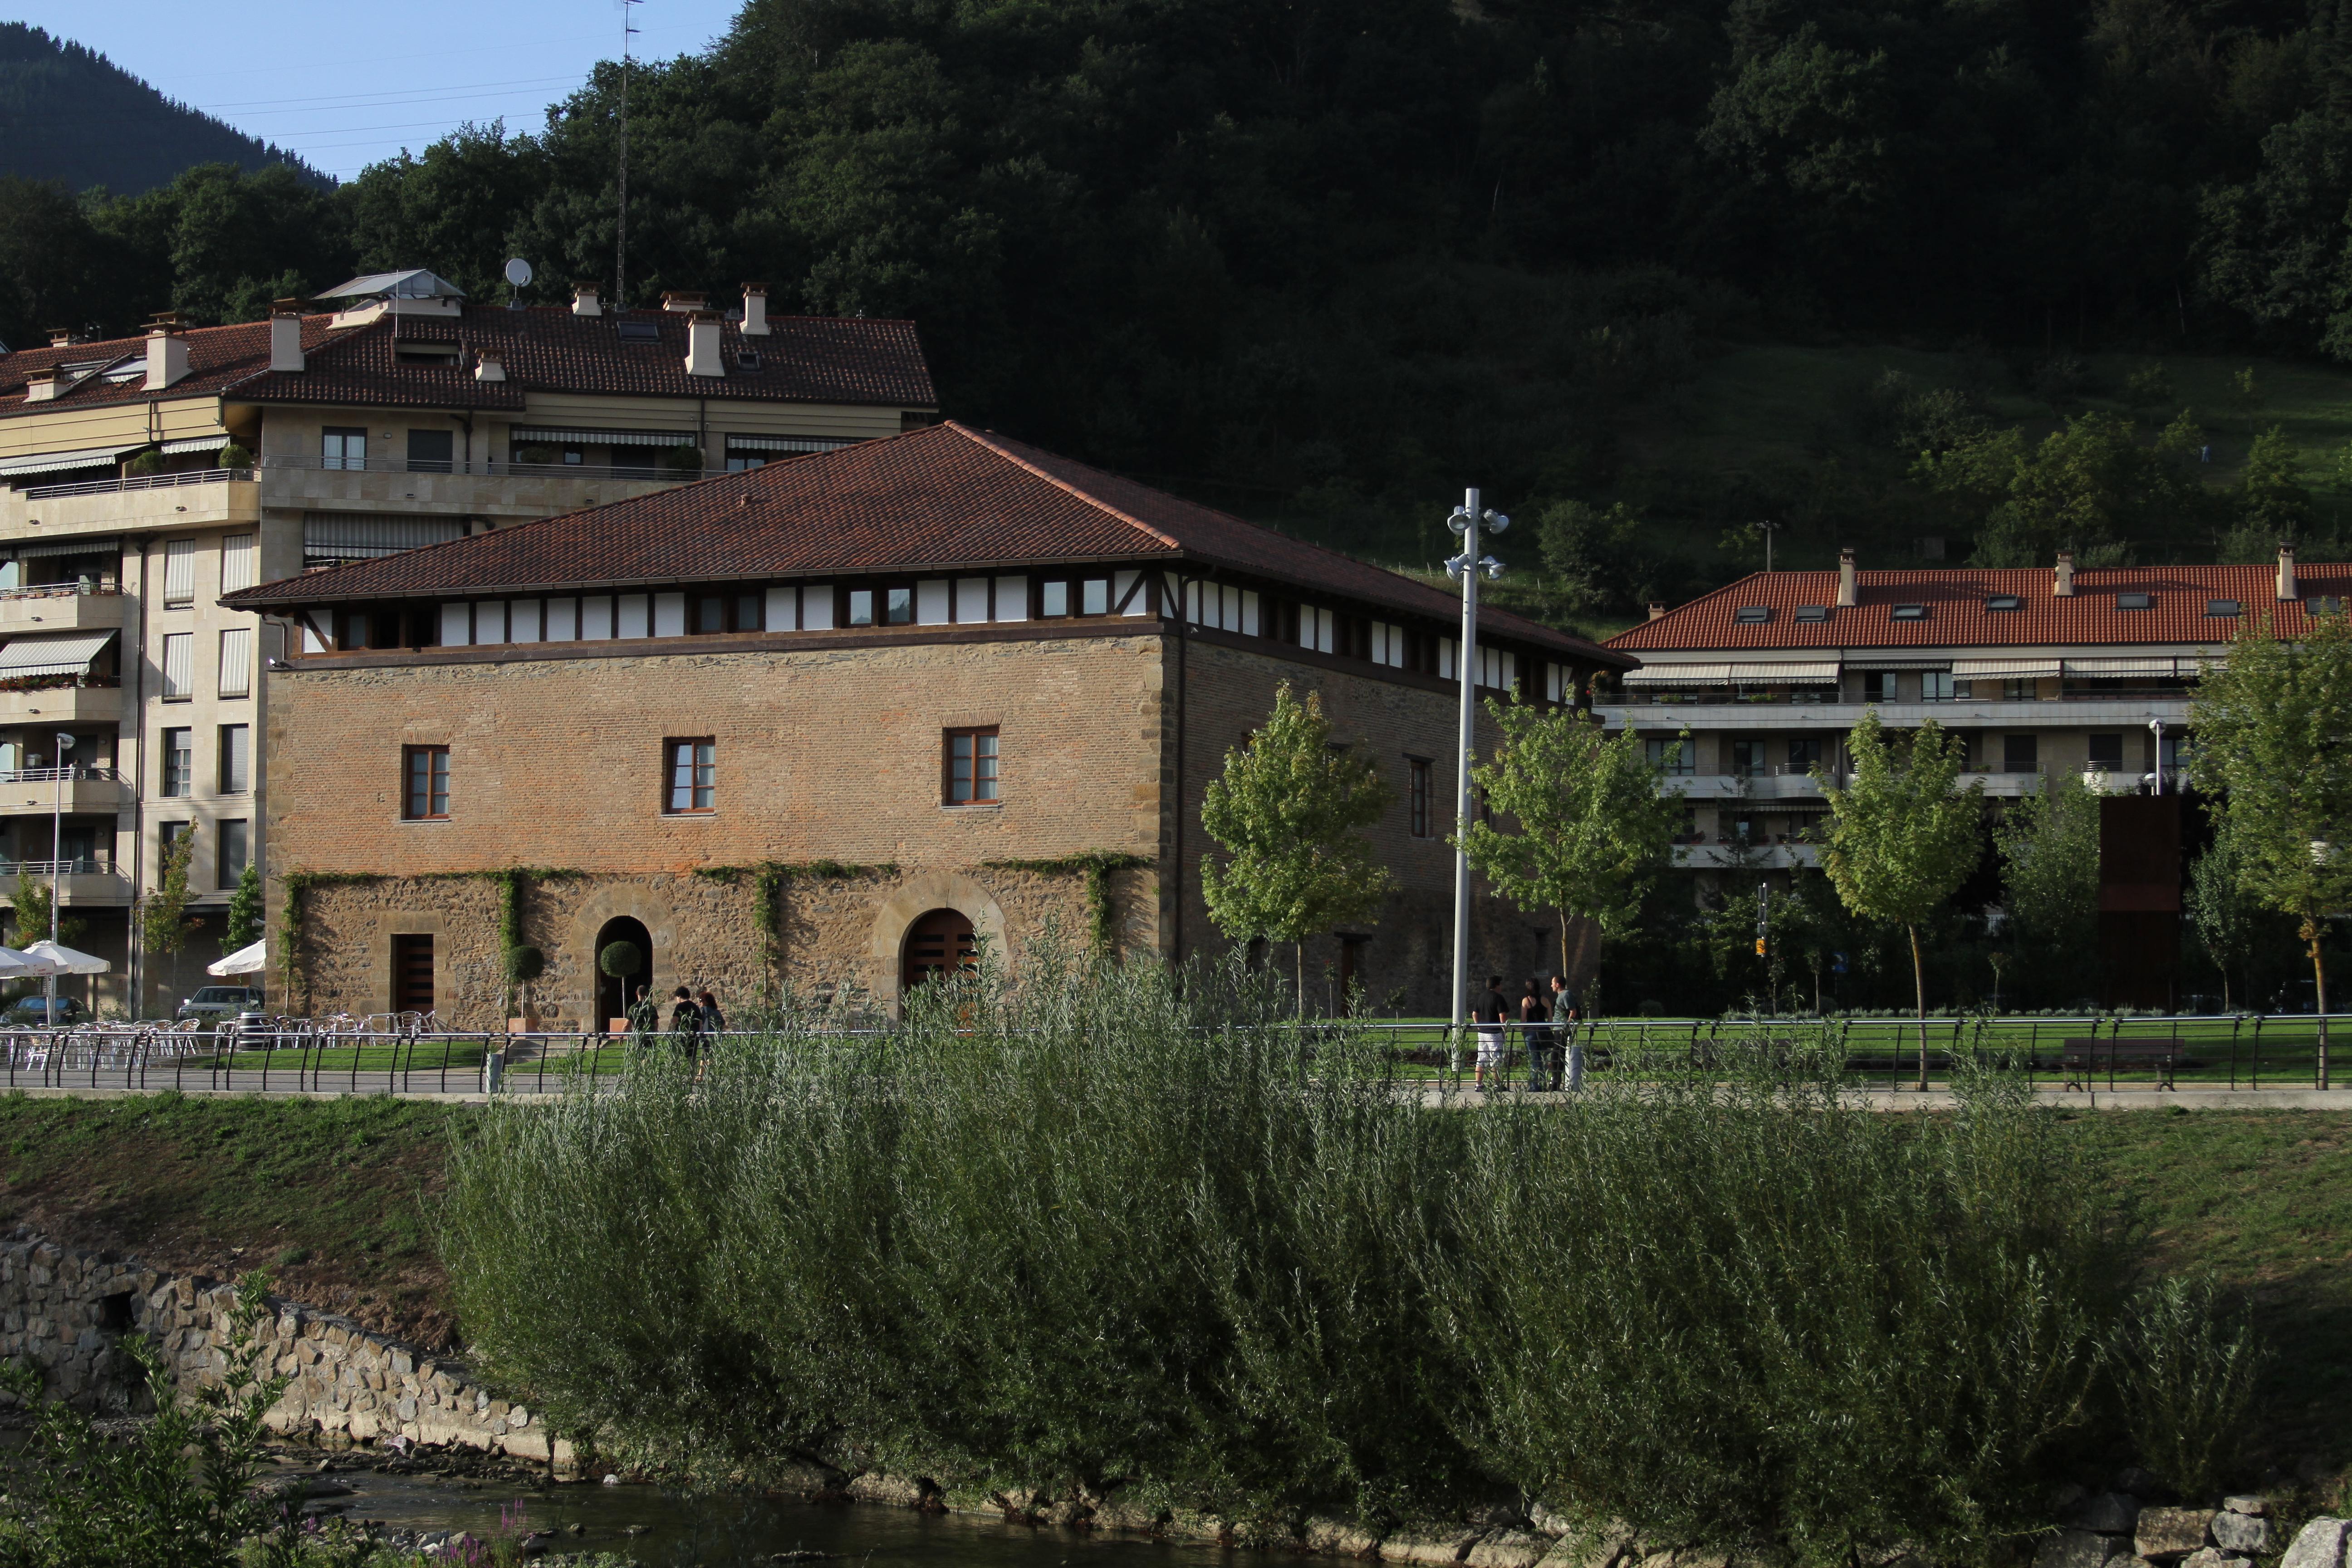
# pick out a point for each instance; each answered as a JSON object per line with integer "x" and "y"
{"x": 1496, "y": 521}
{"x": 65, "y": 742}
{"x": 1494, "y": 568}
{"x": 1459, "y": 521}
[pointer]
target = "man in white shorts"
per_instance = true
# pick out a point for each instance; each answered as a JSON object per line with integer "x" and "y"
{"x": 1488, "y": 1013}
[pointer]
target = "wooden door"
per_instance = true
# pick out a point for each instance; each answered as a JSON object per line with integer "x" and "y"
{"x": 412, "y": 973}
{"x": 940, "y": 941}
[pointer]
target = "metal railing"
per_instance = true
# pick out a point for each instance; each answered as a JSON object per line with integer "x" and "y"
{"x": 86, "y": 866}
{"x": 496, "y": 468}
{"x": 59, "y": 591}
{"x": 411, "y": 1053}
{"x": 142, "y": 482}
{"x": 74, "y": 774}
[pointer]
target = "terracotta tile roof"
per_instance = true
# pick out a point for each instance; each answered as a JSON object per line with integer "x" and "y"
{"x": 805, "y": 358}
{"x": 1955, "y": 601}
{"x": 943, "y": 499}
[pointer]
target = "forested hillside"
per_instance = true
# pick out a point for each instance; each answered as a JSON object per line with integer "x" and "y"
{"x": 70, "y": 114}
{"x": 1998, "y": 276}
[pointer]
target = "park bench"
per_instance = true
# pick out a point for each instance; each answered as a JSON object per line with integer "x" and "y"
{"x": 2083, "y": 1059}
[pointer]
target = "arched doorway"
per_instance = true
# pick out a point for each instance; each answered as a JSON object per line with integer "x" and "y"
{"x": 614, "y": 993}
{"x": 936, "y": 944}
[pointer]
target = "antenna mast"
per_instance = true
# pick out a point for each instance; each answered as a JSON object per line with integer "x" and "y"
{"x": 621, "y": 243}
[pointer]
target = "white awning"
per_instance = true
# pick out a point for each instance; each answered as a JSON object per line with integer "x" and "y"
{"x": 196, "y": 444}
{"x": 1808, "y": 673}
{"x": 526, "y": 434}
{"x": 66, "y": 653}
{"x": 55, "y": 462}
{"x": 2119, "y": 667}
{"x": 788, "y": 443}
{"x": 1678, "y": 675}
{"x": 2006, "y": 668}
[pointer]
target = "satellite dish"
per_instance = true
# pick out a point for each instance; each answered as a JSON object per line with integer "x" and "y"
{"x": 519, "y": 272}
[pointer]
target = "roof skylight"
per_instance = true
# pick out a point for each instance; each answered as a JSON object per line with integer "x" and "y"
{"x": 640, "y": 333}
{"x": 2004, "y": 602}
{"x": 1909, "y": 613}
{"x": 2134, "y": 601}
{"x": 2223, "y": 607}
{"x": 1814, "y": 613}
{"x": 1752, "y": 615}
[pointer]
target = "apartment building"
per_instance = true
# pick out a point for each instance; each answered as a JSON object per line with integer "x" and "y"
{"x": 149, "y": 477}
{"x": 835, "y": 722}
{"x": 2038, "y": 673}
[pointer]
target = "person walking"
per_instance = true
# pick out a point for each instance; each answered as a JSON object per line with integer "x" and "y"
{"x": 714, "y": 1022}
{"x": 1535, "y": 1026}
{"x": 685, "y": 1021}
{"x": 1488, "y": 1013}
{"x": 1565, "y": 1011}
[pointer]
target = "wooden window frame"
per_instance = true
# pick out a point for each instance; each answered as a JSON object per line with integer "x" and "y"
{"x": 1421, "y": 794}
{"x": 995, "y": 758}
{"x": 733, "y": 600}
{"x": 409, "y": 795}
{"x": 694, "y": 785}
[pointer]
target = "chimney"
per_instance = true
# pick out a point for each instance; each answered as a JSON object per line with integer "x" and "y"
{"x": 584, "y": 301}
{"x": 41, "y": 386}
{"x": 1657, "y": 611}
{"x": 286, "y": 335}
{"x": 61, "y": 337}
{"x": 2286, "y": 588}
{"x": 490, "y": 366}
{"x": 702, "y": 344}
{"x": 681, "y": 301}
{"x": 167, "y": 351}
{"x": 755, "y": 310}
{"x": 2061, "y": 579}
{"x": 1846, "y": 578}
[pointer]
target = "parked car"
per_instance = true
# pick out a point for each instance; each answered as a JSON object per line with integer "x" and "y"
{"x": 221, "y": 1004}
{"x": 26, "y": 1013}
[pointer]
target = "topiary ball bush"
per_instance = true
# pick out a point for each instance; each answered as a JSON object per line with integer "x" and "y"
{"x": 530, "y": 963}
{"x": 146, "y": 463}
{"x": 620, "y": 960}
{"x": 234, "y": 456}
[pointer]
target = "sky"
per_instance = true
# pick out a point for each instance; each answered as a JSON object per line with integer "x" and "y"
{"x": 344, "y": 85}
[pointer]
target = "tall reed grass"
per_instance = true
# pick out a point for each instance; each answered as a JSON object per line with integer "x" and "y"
{"x": 1109, "y": 1231}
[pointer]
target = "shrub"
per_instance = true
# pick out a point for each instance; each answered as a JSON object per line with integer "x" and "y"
{"x": 145, "y": 463}
{"x": 2184, "y": 1381}
{"x": 234, "y": 455}
{"x": 620, "y": 960}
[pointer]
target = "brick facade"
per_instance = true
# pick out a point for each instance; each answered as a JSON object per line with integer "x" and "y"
{"x": 824, "y": 754}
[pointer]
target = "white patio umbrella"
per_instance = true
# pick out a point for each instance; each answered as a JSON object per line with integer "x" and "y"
{"x": 65, "y": 960}
{"x": 15, "y": 966}
{"x": 251, "y": 960}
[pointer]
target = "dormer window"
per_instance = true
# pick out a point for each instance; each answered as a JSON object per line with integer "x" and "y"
{"x": 2134, "y": 601}
{"x": 1752, "y": 615}
{"x": 1909, "y": 613}
{"x": 1812, "y": 614}
{"x": 2223, "y": 607}
{"x": 1999, "y": 603}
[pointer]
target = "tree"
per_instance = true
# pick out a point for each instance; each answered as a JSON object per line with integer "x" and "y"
{"x": 1289, "y": 810}
{"x": 1902, "y": 838}
{"x": 244, "y": 911}
{"x": 164, "y": 922}
{"x": 32, "y": 913}
{"x": 2049, "y": 846}
{"x": 2275, "y": 751}
{"x": 1593, "y": 830}
{"x": 2091, "y": 488}
{"x": 2273, "y": 502}
{"x": 2221, "y": 911}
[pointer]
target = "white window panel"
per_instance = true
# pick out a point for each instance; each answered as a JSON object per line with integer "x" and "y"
{"x": 1193, "y": 603}
{"x": 931, "y": 602}
{"x": 596, "y": 618}
{"x": 237, "y": 662}
{"x": 237, "y": 563}
{"x": 179, "y": 573}
{"x": 491, "y": 621}
{"x": 314, "y": 635}
{"x": 1315, "y": 628}
{"x": 631, "y": 618}
{"x": 1011, "y": 599}
{"x": 816, "y": 608}
{"x": 1122, "y": 584}
{"x": 179, "y": 655}
{"x": 457, "y": 625}
{"x": 1229, "y": 607}
{"x": 783, "y": 609}
{"x": 1249, "y": 613}
{"x": 1445, "y": 658}
{"x": 522, "y": 621}
{"x": 670, "y": 615}
{"x": 971, "y": 600}
{"x": 562, "y": 620}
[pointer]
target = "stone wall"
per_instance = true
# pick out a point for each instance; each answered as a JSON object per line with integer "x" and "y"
{"x": 71, "y": 1312}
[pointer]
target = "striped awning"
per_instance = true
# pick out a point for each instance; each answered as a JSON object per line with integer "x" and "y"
{"x": 67, "y": 545}
{"x": 529, "y": 433}
{"x": 1678, "y": 675}
{"x": 788, "y": 443}
{"x": 363, "y": 536}
{"x": 1811, "y": 673}
{"x": 57, "y": 462}
{"x": 65, "y": 653}
{"x": 2002, "y": 668}
{"x": 212, "y": 443}
{"x": 2115, "y": 667}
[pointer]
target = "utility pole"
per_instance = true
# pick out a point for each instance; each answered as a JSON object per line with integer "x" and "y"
{"x": 1767, "y": 528}
{"x": 1466, "y": 522}
{"x": 56, "y": 875}
{"x": 621, "y": 245}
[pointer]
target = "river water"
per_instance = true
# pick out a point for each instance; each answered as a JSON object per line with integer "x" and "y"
{"x": 723, "y": 1529}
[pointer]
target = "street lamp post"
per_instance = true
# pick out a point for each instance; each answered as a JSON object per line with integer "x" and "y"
{"x": 1466, "y": 522}
{"x": 57, "y": 874}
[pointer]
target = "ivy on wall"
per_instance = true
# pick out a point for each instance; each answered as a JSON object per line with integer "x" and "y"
{"x": 1098, "y": 865}
{"x": 512, "y": 882}
{"x": 768, "y": 880}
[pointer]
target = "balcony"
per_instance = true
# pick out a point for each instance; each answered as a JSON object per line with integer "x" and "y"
{"x": 496, "y": 488}
{"x": 2072, "y": 711}
{"x": 63, "y": 704}
{"x": 84, "y": 882}
{"x": 28, "y": 792}
{"x": 1746, "y": 857}
{"x": 205, "y": 496}
{"x": 61, "y": 609}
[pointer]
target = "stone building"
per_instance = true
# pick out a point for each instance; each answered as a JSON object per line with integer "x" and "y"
{"x": 149, "y": 476}
{"x": 829, "y": 724}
